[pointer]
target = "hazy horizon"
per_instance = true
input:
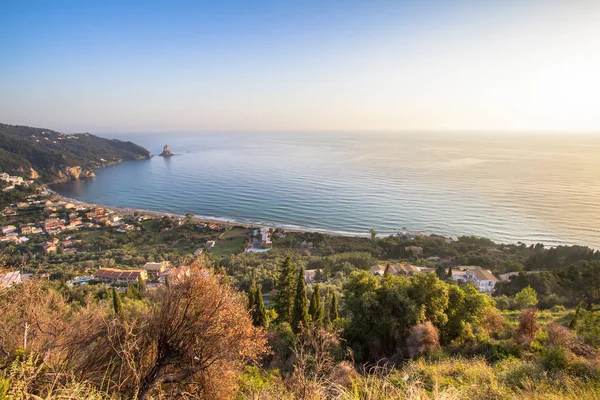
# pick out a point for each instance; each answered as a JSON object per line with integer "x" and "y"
{"x": 109, "y": 67}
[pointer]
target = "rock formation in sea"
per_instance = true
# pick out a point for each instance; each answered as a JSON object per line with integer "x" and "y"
{"x": 166, "y": 152}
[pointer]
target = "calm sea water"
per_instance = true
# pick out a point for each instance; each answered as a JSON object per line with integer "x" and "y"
{"x": 510, "y": 189}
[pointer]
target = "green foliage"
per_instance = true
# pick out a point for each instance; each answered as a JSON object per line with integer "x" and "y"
{"x": 300, "y": 316}
{"x": 284, "y": 299}
{"x": 259, "y": 313}
{"x": 526, "y": 298}
{"x": 24, "y": 148}
{"x": 430, "y": 292}
{"x": 117, "y": 302}
{"x": 383, "y": 310}
{"x": 333, "y": 308}
{"x": 315, "y": 309}
{"x": 588, "y": 327}
{"x": 554, "y": 358}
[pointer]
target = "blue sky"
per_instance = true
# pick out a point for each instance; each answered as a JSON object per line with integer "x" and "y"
{"x": 307, "y": 65}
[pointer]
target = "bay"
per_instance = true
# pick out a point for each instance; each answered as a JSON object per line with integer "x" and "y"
{"x": 509, "y": 188}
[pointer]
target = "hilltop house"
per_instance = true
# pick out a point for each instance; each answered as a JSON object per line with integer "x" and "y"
{"x": 111, "y": 275}
{"x": 482, "y": 278}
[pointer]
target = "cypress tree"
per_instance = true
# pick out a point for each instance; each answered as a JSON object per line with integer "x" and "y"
{"x": 316, "y": 307}
{"x": 387, "y": 271}
{"x": 300, "y": 315}
{"x": 573, "y": 322}
{"x": 260, "y": 313}
{"x": 327, "y": 307}
{"x": 326, "y": 269}
{"x": 284, "y": 300}
{"x": 117, "y": 303}
{"x": 141, "y": 285}
{"x": 450, "y": 271}
{"x": 251, "y": 298}
{"x": 333, "y": 310}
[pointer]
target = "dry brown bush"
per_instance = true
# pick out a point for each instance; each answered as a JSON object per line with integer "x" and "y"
{"x": 527, "y": 328}
{"x": 33, "y": 319}
{"x": 423, "y": 339}
{"x": 190, "y": 340}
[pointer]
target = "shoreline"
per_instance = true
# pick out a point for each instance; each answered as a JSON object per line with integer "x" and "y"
{"x": 128, "y": 211}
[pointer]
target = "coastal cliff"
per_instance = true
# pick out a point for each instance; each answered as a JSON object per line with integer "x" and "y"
{"x": 53, "y": 157}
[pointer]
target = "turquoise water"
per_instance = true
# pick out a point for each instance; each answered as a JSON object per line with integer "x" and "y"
{"x": 510, "y": 189}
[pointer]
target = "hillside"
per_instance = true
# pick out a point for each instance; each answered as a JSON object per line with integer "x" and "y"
{"x": 55, "y": 157}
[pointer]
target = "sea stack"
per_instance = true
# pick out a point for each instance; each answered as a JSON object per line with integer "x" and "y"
{"x": 166, "y": 152}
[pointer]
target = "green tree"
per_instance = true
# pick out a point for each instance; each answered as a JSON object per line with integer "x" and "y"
{"x": 373, "y": 233}
{"x": 526, "y": 298}
{"x": 326, "y": 269}
{"x": 141, "y": 285}
{"x": 300, "y": 316}
{"x": 381, "y": 314}
{"x": 315, "y": 308}
{"x": 117, "y": 302}
{"x": 333, "y": 309}
{"x": 252, "y": 297}
{"x": 284, "y": 299}
{"x": 431, "y": 294}
{"x": 573, "y": 322}
{"x": 467, "y": 308}
{"x": 259, "y": 315}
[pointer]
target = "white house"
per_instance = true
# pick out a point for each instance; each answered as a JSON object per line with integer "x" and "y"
{"x": 483, "y": 278}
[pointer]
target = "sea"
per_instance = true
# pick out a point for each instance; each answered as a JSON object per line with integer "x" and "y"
{"x": 507, "y": 187}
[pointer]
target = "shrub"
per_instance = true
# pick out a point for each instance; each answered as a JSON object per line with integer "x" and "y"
{"x": 423, "y": 339}
{"x": 516, "y": 373}
{"x": 526, "y": 298}
{"x": 555, "y": 358}
{"x": 527, "y": 328}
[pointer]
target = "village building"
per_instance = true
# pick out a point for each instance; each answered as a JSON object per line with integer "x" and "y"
{"x": 9, "y": 279}
{"x": 265, "y": 236}
{"x": 112, "y": 275}
{"x": 310, "y": 275}
{"x": 396, "y": 269}
{"x": 175, "y": 275}
{"x": 49, "y": 247}
{"x": 11, "y": 238}
{"x": 483, "y": 279}
{"x": 156, "y": 268}
{"x": 9, "y": 229}
{"x": 27, "y": 229}
{"x": 416, "y": 250}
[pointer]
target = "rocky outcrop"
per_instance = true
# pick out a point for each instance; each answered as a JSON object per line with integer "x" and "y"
{"x": 33, "y": 174}
{"x": 166, "y": 152}
{"x": 72, "y": 174}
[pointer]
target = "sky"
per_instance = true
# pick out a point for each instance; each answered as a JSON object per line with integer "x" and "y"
{"x": 333, "y": 65}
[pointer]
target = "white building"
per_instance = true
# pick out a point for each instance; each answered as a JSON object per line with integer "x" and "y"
{"x": 482, "y": 278}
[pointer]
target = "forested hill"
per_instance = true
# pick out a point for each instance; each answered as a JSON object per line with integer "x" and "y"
{"x": 55, "y": 157}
